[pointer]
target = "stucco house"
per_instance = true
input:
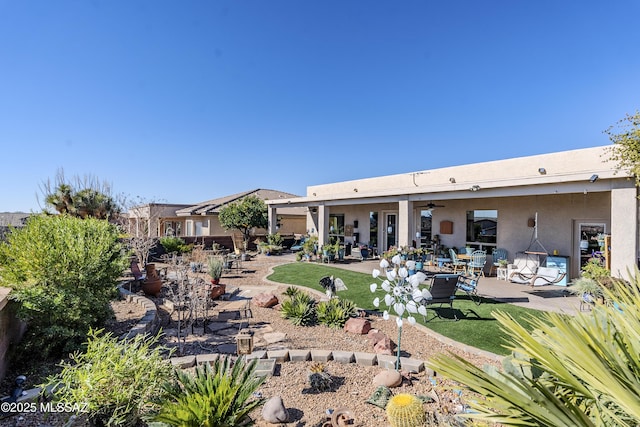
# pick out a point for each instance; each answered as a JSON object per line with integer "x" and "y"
{"x": 556, "y": 203}
{"x": 9, "y": 220}
{"x": 199, "y": 222}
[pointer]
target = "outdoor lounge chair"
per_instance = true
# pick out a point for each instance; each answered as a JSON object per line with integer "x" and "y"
{"x": 443, "y": 291}
{"x": 543, "y": 276}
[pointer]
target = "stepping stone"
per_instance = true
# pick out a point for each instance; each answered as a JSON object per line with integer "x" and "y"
{"x": 343, "y": 356}
{"x": 183, "y": 362}
{"x": 299, "y": 355}
{"x": 366, "y": 359}
{"x": 216, "y": 327}
{"x": 227, "y": 348}
{"x": 274, "y": 337}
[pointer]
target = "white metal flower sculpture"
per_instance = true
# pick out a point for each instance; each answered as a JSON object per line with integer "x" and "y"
{"x": 403, "y": 293}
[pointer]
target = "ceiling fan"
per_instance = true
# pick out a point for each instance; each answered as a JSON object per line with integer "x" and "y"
{"x": 431, "y": 206}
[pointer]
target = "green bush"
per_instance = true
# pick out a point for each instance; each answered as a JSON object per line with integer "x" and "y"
{"x": 121, "y": 382}
{"x": 218, "y": 395}
{"x": 63, "y": 272}
{"x": 174, "y": 245}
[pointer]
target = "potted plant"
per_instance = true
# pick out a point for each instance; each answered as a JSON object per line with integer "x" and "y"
{"x": 588, "y": 289}
{"x": 215, "y": 267}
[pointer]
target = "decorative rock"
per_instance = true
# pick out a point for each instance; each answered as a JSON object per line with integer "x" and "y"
{"x": 357, "y": 325}
{"x": 274, "y": 337}
{"x": 374, "y": 336}
{"x": 274, "y": 411}
{"x": 388, "y": 378}
{"x": 384, "y": 346}
{"x": 265, "y": 300}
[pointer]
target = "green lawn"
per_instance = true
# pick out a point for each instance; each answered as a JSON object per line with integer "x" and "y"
{"x": 477, "y": 327}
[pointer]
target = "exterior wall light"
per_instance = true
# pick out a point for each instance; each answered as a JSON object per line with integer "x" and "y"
{"x": 475, "y": 188}
{"x": 593, "y": 178}
{"x": 542, "y": 171}
{"x": 452, "y": 180}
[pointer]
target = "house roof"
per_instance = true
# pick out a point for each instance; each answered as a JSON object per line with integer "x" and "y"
{"x": 14, "y": 219}
{"x": 213, "y": 206}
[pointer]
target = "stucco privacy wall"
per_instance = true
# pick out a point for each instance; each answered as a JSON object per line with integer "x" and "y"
{"x": 11, "y": 329}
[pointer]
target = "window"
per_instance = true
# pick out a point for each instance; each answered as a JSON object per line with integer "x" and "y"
{"x": 482, "y": 227}
{"x": 425, "y": 227}
{"x": 336, "y": 227}
{"x": 189, "y": 224}
{"x": 373, "y": 229}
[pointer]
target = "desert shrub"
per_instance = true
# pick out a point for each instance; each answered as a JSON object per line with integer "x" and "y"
{"x": 335, "y": 312}
{"x": 215, "y": 395}
{"x": 292, "y": 291}
{"x": 121, "y": 382}
{"x": 174, "y": 245}
{"x": 63, "y": 272}
{"x": 299, "y": 309}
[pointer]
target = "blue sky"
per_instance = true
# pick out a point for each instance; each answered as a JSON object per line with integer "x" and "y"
{"x": 184, "y": 101}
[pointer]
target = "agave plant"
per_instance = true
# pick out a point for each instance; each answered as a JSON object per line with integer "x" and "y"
{"x": 577, "y": 371}
{"x": 300, "y": 309}
{"x": 216, "y": 395}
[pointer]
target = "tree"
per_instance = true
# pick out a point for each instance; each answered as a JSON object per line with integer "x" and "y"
{"x": 244, "y": 215}
{"x": 81, "y": 197}
{"x": 625, "y": 136}
{"x": 63, "y": 271}
{"x": 568, "y": 371}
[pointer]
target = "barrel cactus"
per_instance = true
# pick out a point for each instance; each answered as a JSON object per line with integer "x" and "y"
{"x": 319, "y": 378}
{"x": 405, "y": 410}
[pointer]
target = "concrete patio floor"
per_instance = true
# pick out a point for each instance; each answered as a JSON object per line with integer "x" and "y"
{"x": 547, "y": 298}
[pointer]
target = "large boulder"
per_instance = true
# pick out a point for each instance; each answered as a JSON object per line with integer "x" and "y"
{"x": 357, "y": 325}
{"x": 265, "y": 300}
{"x": 274, "y": 411}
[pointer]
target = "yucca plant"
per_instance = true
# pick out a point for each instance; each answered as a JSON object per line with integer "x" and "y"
{"x": 577, "y": 371}
{"x": 300, "y": 309}
{"x": 219, "y": 395}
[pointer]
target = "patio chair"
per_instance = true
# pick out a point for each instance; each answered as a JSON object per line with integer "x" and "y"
{"x": 469, "y": 285}
{"x": 443, "y": 291}
{"x": 298, "y": 243}
{"x": 477, "y": 262}
{"x": 138, "y": 276}
{"x": 497, "y": 255}
{"x": 456, "y": 263}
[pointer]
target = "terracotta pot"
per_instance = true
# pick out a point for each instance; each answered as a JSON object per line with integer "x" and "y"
{"x": 152, "y": 284}
{"x": 215, "y": 281}
{"x": 217, "y": 290}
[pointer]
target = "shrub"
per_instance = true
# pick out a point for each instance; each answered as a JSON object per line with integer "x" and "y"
{"x": 174, "y": 245}
{"x": 63, "y": 272}
{"x": 300, "y": 309}
{"x": 120, "y": 381}
{"x": 335, "y": 312}
{"x": 218, "y": 395}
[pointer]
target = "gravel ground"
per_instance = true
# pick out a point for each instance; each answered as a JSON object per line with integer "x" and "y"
{"x": 352, "y": 383}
